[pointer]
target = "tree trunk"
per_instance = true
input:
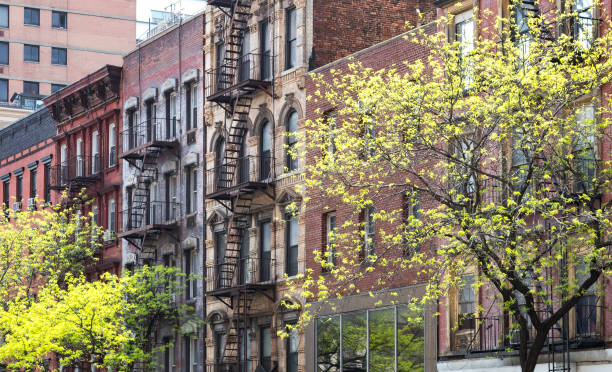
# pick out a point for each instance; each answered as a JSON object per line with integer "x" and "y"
{"x": 530, "y": 359}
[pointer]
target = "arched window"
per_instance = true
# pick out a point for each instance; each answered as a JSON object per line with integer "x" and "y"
{"x": 266, "y": 147}
{"x": 292, "y": 139}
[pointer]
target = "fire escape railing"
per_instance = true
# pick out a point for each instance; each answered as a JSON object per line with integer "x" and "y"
{"x": 155, "y": 213}
{"x": 148, "y": 132}
{"x": 250, "y": 270}
{"x": 245, "y": 170}
{"x": 78, "y": 169}
{"x": 250, "y": 68}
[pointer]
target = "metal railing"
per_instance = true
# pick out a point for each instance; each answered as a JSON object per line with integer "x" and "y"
{"x": 255, "y": 67}
{"x": 263, "y": 364}
{"x": 488, "y": 334}
{"x": 76, "y": 168}
{"x": 251, "y": 270}
{"x": 154, "y": 213}
{"x": 238, "y": 172}
{"x": 150, "y": 130}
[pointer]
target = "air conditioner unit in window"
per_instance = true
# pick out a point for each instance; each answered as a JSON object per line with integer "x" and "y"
{"x": 515, "y": 337}
{"x": 130, "y": 258}
{"x": 16, "y": 206}
{"x": 108, "y": 236}
{"x": 31, "y": 203}
{"x": 463, "y": 339}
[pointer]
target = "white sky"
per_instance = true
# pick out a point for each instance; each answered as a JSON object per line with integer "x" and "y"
{"x": 144, "y": 7}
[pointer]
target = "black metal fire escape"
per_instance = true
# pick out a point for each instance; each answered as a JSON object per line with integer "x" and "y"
{"x": 231, "y": 86}
{"x": 145, "y": 219}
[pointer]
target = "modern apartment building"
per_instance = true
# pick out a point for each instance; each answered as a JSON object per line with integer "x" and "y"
{"x": 46, "y": 45}
{"x": 258, "y": 55}
{"x": 162, "y": 146}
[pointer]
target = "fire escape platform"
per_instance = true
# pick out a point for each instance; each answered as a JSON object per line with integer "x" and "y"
{"x": 137, "y": 152}
{"x": 144, "y": 230}
{"x": 240, "y": 189}
{"x": 221, "y": 3}
{"x": 228, "y": 95}
{"x": 228, "y": 292}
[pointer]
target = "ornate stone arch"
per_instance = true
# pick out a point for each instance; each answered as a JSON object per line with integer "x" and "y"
{"x": 282, "y": 314}
{"x": 219, "y": 132}
{"x": 290, "y": 104}
{"x": 264, "y": 114}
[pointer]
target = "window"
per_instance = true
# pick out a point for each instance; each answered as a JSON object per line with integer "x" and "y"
{"x": 56, "y": 87}
{"x": 6, "y": 187}
{"x": 369, "y": 130}
{"x": 292, "y": 350}
{"x": 464, "y": 36}
{"x": 265, "y": 41}
{"x": 4, "y": 53}
{"x": 31, "y": 16}
{"x": 193, "y": 350}
{"x": 465, "y": 301}
{"x": 292, "y": 139}
{"x": 265, "y": 251}
{"x": 33, "y": 182}
{"x": 586, "y": 308}
{"x": 219, "y": 53}
{"x": 59, "y": 19}
{"x": 191, "y": 193}
{"x": 220, "y": 247}
{"x": 31, "y": 53}
{"x": 192, "y": 106}
{"x": 187, "y": 352}
{"x": 521, "y": 18}
{"x": 47, "y": 183}
{"x": 58, "y": 56}
{"x": 290, "y": 38}
{"x": 111, "y": 215}
{"x": 520, "y": 166}
{"x": 330, "y": 236}
{"x": 30, "y": 88}
{"x": 266, "y": 147}
{"x": 95, "y": 152}
{"x": 170, "y": 99}
{"x": 388, "y": 339}
{"x": 219, "y": 347}
{"x": 4, "y": 90}
{"x": 19, "y": 180}
{"x": 583, "y": 24}
{"x": 112, "y": 146}
{"x": 4, "y": 16}
{"x": 292, "y": 229}
{"x": 584, "y": 149}
{"x": 80, "y": 159}
{"x": 191, "y": 271}
{"x": 168, "y": 354}
{"x": 95, "y": 212}
{"x": 265, "y": 347}
{"x": 369, "y": 231}
{"x": 330, "y": 120}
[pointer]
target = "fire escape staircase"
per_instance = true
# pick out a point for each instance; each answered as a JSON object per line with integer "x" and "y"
{"x": 236, "y": 99}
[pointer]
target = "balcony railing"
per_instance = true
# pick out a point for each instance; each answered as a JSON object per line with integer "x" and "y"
{"x": 83, "y": 169}
{"x": 149, "y": 131}
{"x": 247, "y": 271}
{"x": 240, "y": 172}
{"x": 252, "y": 365}
{"x": 251, "y": 71}
{"x": 155, "y": 213}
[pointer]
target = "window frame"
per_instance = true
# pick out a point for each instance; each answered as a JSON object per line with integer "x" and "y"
{"x": 56, "y": 56}
{"x": 33, "y": 84}
{"x": 8, "y": 17}
{"x": 4, "y": 91}
{"x": 291, "y": 223}
{"x": 292, "y": 356}
{"x": 3, "y": 61}
{"x": 111, "y": 215}
{"x": 369, "y": 231}
{"x": 330, "y": 238}
{"x": 290, "y": 42}
{"x": 27, "y": 53}
{"x": 30, "y": 11}
{"x": 57, "y": 25}
{"x": 95, "y": 152}
{"x": 47, "y": 177}
{"x": 112, "y": 145}
{"x": 291, "y": 163}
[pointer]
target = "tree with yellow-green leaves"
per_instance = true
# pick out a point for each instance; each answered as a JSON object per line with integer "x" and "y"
{"x": 49, "y": 311}
{"x": 499, "y": 147}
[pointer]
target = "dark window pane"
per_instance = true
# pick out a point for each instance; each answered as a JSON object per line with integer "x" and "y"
{"x": 292, "y": 351}
{"x": 3, "y": 90}
{"x": 292, "y": 246}
{"x": 59, "y": 20}
{"x": 290, "y": 39}
{"x": 382, "y": 340}
{"x": 4, "y": 53}
{"x": 328, "y": 344}
{"x": 31, "y": 16}
{"x": 56, "y": 87}
{"x": 30, "y": 88}
{"x": 354, "y": 342}
{"x": 4, "y": 16}
{"x": 31, "y": 53}
{"x": 410, "y": 339}
{"x": 58, "y": 56}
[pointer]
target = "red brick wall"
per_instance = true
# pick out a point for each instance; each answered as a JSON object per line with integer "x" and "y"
{"x": 343, "y": 27}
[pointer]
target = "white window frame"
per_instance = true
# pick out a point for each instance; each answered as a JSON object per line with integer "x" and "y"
{"x": 112, "y": 145}
{"x": 330, "y": 240}
{"x": 111, "y": 215}
{"x": 95, "y": 151}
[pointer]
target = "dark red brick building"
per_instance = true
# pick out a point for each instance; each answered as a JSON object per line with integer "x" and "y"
{"x": 86, "y": 142}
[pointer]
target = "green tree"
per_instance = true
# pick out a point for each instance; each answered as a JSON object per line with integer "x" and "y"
{"x": 497, "y": 155}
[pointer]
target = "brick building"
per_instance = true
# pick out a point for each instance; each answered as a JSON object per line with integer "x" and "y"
{"x": 26, "y": 159}
{"x": 46, "y": 45}
{"x": 162, "y": 145}
{"x": 87, "y": 118}
{"x": 258, "y": 55}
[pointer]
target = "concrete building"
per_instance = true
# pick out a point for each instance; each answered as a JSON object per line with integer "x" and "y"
{"x": 162, "y": 147}
{"x": 26, "y": 159}
{"x": 258, "y": 55}
{"x": 46, "y": 45}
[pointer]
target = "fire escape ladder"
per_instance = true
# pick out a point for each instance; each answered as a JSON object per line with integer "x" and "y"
{"x": 241, "y": 11}
{"x": 239, "y": 323}
{"x": 558, "y": 336}
{"x": 139, "y": 208}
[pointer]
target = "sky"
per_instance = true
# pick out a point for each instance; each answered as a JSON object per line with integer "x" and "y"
{"x": 144, "y": 7}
